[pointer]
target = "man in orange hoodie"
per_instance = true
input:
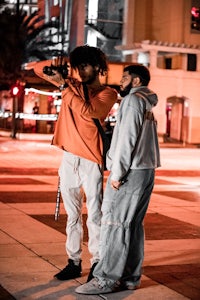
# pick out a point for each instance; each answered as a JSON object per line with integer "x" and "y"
{"x": 82, "y": 164}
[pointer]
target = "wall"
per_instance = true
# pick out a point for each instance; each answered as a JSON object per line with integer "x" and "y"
{"x": 167, "y": 21}
{"x": 168, "y": 83}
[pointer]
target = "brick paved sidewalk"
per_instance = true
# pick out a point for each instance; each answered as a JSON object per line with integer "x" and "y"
{"x": 32, "y": 243}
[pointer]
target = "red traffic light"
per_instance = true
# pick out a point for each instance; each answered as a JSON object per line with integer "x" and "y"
{"x": 195, "y": 11}
{"x": 15, "y": 90}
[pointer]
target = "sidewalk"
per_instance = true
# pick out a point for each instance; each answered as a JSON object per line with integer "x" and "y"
{"x": 32, "y": 243}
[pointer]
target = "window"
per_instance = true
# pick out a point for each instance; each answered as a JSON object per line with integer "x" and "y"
{"x": 191, "y": 62}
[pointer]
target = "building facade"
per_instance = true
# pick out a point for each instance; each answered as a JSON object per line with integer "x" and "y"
{"x": 163, "y": 35}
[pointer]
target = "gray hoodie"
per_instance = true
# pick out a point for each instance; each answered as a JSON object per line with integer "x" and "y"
{"x": 134, "y": 142}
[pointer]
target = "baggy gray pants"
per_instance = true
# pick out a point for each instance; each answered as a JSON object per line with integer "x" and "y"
{"x": 122, "y": 232}
{"x": 78, "y": 174}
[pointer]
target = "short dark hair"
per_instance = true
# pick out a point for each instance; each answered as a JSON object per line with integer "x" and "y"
{"x": 88, "y": 55}
{"x": 141, "y": 71}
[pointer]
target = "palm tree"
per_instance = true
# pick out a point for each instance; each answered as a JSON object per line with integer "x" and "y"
{"x": 24, "y": 39}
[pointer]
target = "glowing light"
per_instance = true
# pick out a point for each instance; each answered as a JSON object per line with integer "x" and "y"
{"x": 53, "y": 94}
{"x": 195, "y": 12}
{"x": 57, "y": 102}
{"x": 15, "y": 90}
{"x": 41, "y": 117}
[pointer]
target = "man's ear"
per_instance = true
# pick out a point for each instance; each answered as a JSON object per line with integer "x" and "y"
{"x": 136, "y": 81}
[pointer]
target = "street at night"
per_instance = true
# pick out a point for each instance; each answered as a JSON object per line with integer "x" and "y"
{"x": 73, "y": 71}
{"x": 33, "y": 243}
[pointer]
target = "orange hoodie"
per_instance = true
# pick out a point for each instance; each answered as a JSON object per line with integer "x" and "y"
{"x": 75, "y": 130}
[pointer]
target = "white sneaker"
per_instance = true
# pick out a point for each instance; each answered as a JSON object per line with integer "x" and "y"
{"x": 95, "y": 287}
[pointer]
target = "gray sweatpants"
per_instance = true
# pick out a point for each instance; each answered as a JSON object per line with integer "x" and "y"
{"x": 122, "y": 232}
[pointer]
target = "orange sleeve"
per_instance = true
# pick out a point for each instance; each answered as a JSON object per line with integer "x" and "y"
{"x": 38, "y": 69}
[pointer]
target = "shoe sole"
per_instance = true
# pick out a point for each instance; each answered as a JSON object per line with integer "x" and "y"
{"x": 63, "y": 279}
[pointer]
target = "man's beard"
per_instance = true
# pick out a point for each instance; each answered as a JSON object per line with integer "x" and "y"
{"x": 126, "y": 91}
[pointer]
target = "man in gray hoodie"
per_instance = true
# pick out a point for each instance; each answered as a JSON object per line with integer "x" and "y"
{"x": 132, "y": 159}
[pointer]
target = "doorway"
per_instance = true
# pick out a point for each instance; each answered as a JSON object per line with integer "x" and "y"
{"x": 177, "y": 118}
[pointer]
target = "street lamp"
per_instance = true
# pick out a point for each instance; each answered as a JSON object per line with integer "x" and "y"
{"x": 15, "y": 94}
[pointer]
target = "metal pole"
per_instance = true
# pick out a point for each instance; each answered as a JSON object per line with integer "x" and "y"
{"x": 57, "y": 209}
{"x": 14, "y": 121}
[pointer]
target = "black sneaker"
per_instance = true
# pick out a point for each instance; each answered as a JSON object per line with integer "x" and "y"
{"x": 90, "y": 276}
{"x": 71, "y": 271}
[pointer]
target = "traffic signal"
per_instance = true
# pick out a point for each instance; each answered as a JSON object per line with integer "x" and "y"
{"x": 195, "y": 18}
{"x": 15, "y": 90}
